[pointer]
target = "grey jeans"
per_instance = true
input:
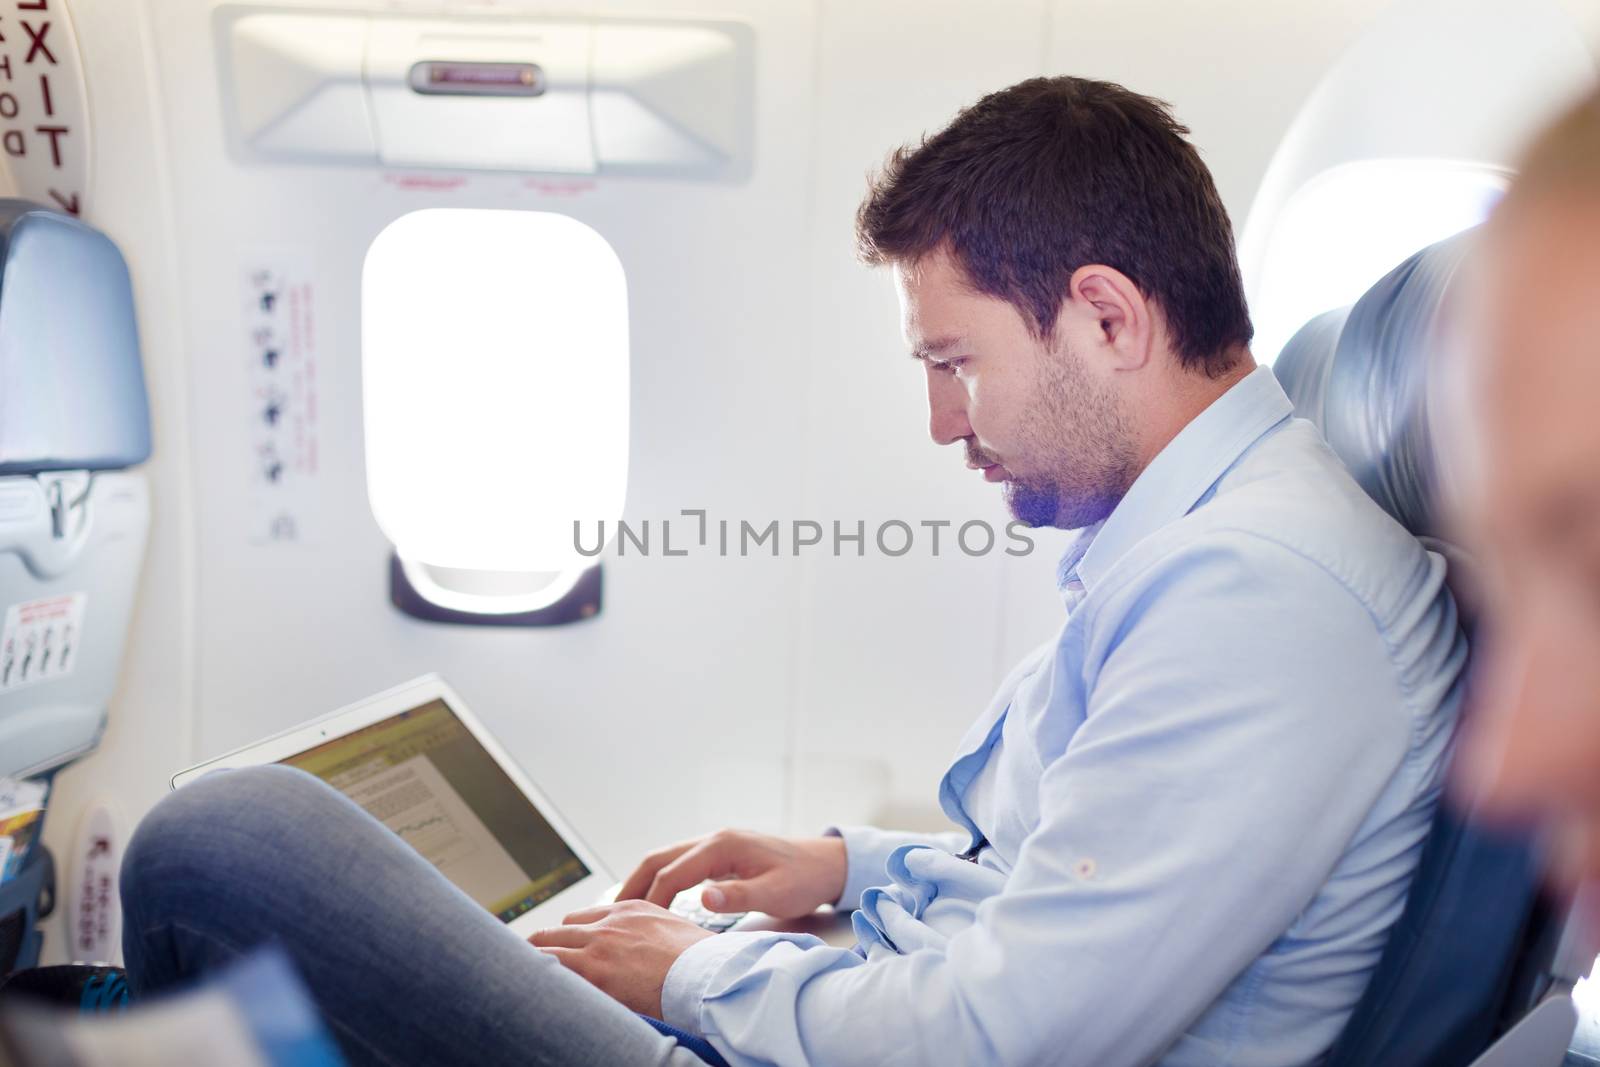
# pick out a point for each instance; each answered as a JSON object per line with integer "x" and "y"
{"x": 404, "y": 967}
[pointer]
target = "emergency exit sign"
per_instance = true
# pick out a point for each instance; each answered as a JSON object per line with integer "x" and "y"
{"x": 43, "y": 117}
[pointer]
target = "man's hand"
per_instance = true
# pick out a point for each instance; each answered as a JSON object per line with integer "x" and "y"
{"x": 623, "y": 949}
{"x": 782, "y": 876}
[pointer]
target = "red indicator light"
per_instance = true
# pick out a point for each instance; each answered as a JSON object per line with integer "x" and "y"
{"x": 477, "y": 79}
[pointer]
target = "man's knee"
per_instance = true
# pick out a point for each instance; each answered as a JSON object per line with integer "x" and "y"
{"x": 212, "y": 828}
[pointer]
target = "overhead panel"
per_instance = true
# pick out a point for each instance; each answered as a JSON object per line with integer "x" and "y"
{"x": 297, "y": 87}
{"x": 488, "y": 93}
{"x": 651, "y": 88}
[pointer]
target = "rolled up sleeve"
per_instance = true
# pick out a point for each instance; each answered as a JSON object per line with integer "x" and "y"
{"x": 867, "y": 850}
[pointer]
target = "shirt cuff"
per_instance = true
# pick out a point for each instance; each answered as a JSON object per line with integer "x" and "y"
{"x": 867, "y": 851}
{"x": 691, "y": 974}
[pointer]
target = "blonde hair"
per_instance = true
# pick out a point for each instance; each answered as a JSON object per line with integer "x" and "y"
{"x": 1562, "y": 161}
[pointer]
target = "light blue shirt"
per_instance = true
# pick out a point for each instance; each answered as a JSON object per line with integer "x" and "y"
{"x": 1202, "y": 801}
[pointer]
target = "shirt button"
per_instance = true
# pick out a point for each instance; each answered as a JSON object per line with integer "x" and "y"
{"x": 1085, "y": 869}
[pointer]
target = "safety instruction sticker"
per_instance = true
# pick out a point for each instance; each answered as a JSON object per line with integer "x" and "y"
{"x": 40, "y": 640}
{"x": 280, "y": 353}
{"x": 94, "y": 911}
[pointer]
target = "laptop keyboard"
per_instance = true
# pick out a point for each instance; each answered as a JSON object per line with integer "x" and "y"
{"x": 687, "y": 904}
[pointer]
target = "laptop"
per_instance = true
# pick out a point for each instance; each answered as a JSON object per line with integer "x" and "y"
{"x": 421, "y": 763}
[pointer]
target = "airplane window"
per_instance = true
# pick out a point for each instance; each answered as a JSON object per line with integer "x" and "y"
{"x": 1350, "y": 225}
{"x": 494, "y": 350}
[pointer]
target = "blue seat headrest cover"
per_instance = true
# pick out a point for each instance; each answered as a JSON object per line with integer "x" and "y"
{"x": 72, "y": 393}
{"x": 1360, "y": 373}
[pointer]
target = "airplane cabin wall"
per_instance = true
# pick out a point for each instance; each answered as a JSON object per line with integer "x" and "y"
{"x": 769, "y": 381}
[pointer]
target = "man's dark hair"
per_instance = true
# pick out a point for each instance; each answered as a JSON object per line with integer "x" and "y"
{"x": 1032, "y": 182}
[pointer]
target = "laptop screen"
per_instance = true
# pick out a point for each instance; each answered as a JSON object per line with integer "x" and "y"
{"x": 425, "y": 776}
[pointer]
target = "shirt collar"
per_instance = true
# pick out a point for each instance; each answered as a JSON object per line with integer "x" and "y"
{"x": 1179, "y": 476}
{"x": 1068, "y": 583}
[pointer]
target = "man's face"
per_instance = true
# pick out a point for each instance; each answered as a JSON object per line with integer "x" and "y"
{"x": 1031, "y": 414}
{"x": 1535, "y": 511}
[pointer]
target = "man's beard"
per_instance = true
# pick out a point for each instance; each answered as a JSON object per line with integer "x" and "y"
{"x": 1077, "y": 437}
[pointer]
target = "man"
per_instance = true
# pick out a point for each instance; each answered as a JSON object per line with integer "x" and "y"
{"x": 1187, "y": 821}
{"x": 1534, "y": 496}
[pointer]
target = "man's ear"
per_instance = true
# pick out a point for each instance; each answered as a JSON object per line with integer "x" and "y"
{"x": 1120, "y": 316}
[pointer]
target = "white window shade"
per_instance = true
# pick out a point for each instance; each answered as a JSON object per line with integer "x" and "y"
{"x": 1351, "y": 225}
{"x": 1406, "y": 140}
{"x": 495, "y": 378}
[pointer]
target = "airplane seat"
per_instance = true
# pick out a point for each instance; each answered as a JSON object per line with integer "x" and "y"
{"x": 1472, "y": 948}
{"x": 74, "y": 418}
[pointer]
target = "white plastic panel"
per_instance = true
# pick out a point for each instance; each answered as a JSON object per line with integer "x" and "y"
{"x": 673, "y": 96}
{"x": 58, "y": 668}
{"x": 297, "y": 86}
{"x": 607, "y": 94}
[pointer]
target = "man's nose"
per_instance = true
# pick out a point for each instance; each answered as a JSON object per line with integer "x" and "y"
{"x": 947, "y": 410}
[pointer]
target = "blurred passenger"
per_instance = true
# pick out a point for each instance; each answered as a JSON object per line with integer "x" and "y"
{"x": 1533, "y": 499}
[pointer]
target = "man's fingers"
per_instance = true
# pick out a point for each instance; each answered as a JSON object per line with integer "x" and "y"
{"x": 706, "y": 860}
{"x": 639, "y": 881}
{"x": 588, "y": 915}
{"x": 731, "y": 896}
{"x": 568, "y": 937}
{"x": 762, "y": 893}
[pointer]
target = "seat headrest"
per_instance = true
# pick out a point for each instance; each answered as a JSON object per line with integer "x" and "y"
{"x": 1361, "y": 375}
{"x": 72, "y": 393}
